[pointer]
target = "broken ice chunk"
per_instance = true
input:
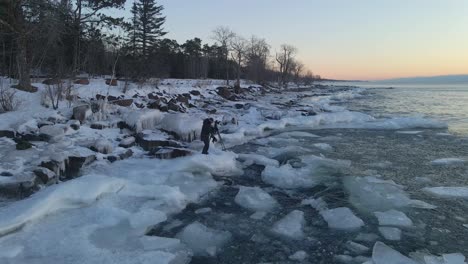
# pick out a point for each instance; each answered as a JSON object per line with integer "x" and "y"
{"x": 390, "y": 233}
{"x": 393, "y": 218}
{"x": 341, "y": 218}
{"x": 299, "y": 256}
{"x": 254, "y": 198}
{"x": 356, "y": 247}
{"x": 203, "y": 240}
{"x": 383, "y": 254}
{"x": 291, "y": 226}
{"x": 447, "y": 192}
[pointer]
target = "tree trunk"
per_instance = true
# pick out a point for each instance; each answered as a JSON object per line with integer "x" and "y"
{"x": 23, "y": 64}
{"x": 238, "y": 71}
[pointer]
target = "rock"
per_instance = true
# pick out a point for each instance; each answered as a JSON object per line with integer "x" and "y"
{"x": 100, "y": 97}
{"x": 224, "y": 92}
{"x": 182, "y": 99}
{"x": 6, "y": 174}
{"x": 175, "y": 107}
{"x": 169, "y": 153}
{"x": 74, "y": 124}
{"x": 103, "y": 146}
{"x": 112, "y": 159}
{"x": 52, "y": 133}
{"x": 7, "y": 133}
{"x": 56, "y": 119}
{"x": 51, "y": 81}
{"x": 99, "y": 125}
{"x": 127, "y": 142}
{"x": 82, "y": 81}
{"x": 239, "y": 106}
{"x": 47, "y": 176}
{"x": 23, "y": 145}
{"x": 44, "y": 123}
{"x": 127, "y": 154}
{"x": 81, "y": 112}
{"x": 195, "y": 92}
{"x": 211, "y": 111}
{"x": 75, "y": 163}
{"x": 123, "y": 102}
{"x": 111, "y": 82}
{"x": 149, "y": 144}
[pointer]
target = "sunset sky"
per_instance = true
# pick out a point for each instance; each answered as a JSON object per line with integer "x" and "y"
{"x": 358, "y": 39}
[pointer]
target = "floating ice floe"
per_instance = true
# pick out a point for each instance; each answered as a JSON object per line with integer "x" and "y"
{"x": 202, "y": 240}
{"x": 341, "y": 218}
{"x": 299, "y": 134}
{"x": 290, "y": 226}
{"x": 393, "y": 218}
{"x": 447, "y": 192}
{"x": 356, "y": 247}
{"x": 448, "y": 162}
{"x": 146, "y": 218}
{"x": 323, "y": 146}
{"x": 409, "y": 132}
{"x": 254, "y": 198}
{"x": 366, "y": 237}
{"x": 371, "y": 194}
{"x": 249, "y": 159}
{"x": 383, "y": 254}
{"x": 315, "y": 171}
{"x": 425, "y": 258}
{"x": 299, "y": 256}
{"x": 318, "y": 204}
{"x": 390, "y": 233}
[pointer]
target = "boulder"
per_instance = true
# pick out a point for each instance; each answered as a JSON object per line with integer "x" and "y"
{"x": 169, "y": 153}
{"x": 99, "y": 125}
{"x": 148, "y": 144}
{"x": 182, "y": 99}
{"x": 7, "y": 133}
{"x": 127, "y": 154}
{"x": 47, "y": 176}
{"x": 123, "y": 102}
{"x": 111, "y": 82}
{"x": 195, "y": 92}
{"x": 52, "y": 133}
{"x": 74, "y": 124}
{"x": 127, "y": 142}
{"x": 53, "y": 81}
{"x": 153, "y": 96}
{"x": 224, "y": 92}
{"x": 100, "y": 97}
{"x": 23, "y": 145}
{"x": 82, "y": 81}
{"x": 103, "y": 146}
{"x": 239, "y": 106}
{"x": 81, "y": 112}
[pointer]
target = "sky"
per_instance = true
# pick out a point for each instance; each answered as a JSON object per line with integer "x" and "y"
{"x": 340, "y": 39}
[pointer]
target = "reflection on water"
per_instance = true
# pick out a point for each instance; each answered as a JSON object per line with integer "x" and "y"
{"x": 447, "y": 103}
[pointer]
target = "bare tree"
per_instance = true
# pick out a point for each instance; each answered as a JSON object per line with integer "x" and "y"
{"x": 297, "y": 69}
{"x": 224, "y": 35}
{"x": 239, "y": 49}
{"x": 257, "y": 58}
{"x": 284, "y": 58}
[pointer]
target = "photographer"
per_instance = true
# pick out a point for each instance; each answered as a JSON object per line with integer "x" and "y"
{"x": 208, "y": 132}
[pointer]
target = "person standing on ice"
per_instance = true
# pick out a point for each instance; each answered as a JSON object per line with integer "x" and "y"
{"x": 207, "y": 132}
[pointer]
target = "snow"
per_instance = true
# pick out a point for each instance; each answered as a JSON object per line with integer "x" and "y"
{"x": 383, "y": 254}
{"x": 290, "y": 226}
{"x": 254, "y": 198}
{"x": 393, "y": 218}
{"x": 447, "y": 192}
{"x": 448, "y": 162}
{"x": 341, "y": 218}
{"x": 183, "y": 125}
{"x": 250, "y": 159}
{"x": 202, "y": 240}
{"x": 390, "y": 233}
{"x": 142, "y": 119}
{"x": 73, "y": 194}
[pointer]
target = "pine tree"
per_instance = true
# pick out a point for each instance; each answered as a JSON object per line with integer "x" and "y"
{"x": 148, "y": 25}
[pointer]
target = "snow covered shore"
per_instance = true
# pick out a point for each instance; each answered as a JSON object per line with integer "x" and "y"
{"x": 125, "y": 188}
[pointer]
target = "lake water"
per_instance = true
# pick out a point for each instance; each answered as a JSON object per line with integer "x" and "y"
{"x": 391, "y": 166}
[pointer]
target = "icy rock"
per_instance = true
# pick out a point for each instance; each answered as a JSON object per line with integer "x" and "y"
{"x": 103, "y": 146}
{"x": 127, "y": 142}
{"x": 448, "y": 162}
{"x": 447, "y": 192}
{"x": 72, "y": 194}
{"x": 74, "y": 124}
{"x": 45, "y": 175}
{"x": 390, "y": 233}
{"x": 52, "y": 133}
{"x": 143, "y": 119}
{"x": 356, "y": 247}
{"x": 393, "y": 218}
{"x": 383, "y": 254}
{"x": 291, "y": 225}
{"x": 299, "y": 256}
{"x": 254, "y": 198}
{"x": 81, "y": 112}
{"x": 371, "y": 194}
{"x": 202, "y": 240}
{"x": 323, "y": 146}
{"x": 341, "y": 218}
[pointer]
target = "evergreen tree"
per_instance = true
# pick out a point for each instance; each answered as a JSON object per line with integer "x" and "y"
{"x": 148, "y": 25}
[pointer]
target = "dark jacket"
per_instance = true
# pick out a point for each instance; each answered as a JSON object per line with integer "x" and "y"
{"x": 207, "y": 129}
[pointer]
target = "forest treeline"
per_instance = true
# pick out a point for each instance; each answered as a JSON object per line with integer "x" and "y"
{"x": 65, "y": 38}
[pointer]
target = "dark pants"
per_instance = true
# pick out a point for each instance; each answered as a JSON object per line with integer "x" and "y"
{"x": 206, "y": 140}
